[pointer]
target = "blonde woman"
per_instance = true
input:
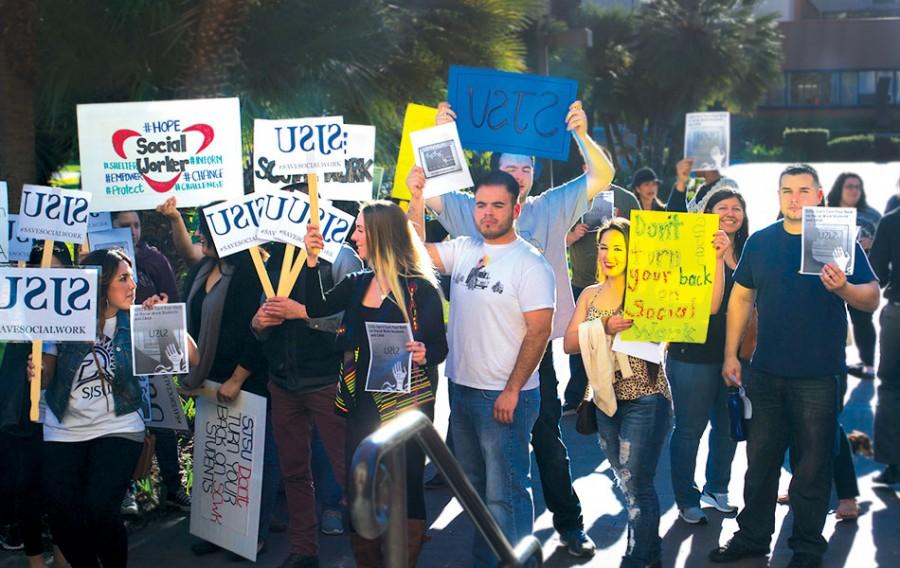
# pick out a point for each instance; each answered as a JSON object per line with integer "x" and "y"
{"x": 399, "y": 286}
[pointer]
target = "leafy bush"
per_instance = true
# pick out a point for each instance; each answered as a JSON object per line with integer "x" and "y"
{"x": 805, "y": 144}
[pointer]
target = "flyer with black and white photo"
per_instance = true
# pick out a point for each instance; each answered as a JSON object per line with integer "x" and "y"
{"x": 159, "y": 343}
{"x": 390, "y": 364}
{"x": 828, "y": 235}
{"x": 438, "y": 151}
{"x": 601, "y": 211}
{"x": 707, "y": 139}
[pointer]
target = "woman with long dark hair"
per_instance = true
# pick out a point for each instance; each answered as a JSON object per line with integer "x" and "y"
{"x": 399, "y": 286}
{"x": 699, "y": 395}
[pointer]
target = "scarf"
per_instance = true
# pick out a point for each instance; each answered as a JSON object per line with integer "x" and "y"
{"x": 210, "y": 322}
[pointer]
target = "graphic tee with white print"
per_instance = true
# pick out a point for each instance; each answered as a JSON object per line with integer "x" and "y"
{"x": 91, "y": 413}
{"x": 492, "y": 286}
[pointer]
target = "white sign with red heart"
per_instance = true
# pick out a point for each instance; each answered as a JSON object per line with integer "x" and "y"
{"x": 136, "y": 155}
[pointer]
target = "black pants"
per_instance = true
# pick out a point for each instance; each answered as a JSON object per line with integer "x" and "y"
{"x": 800, "y": 414}
{"x": 887, "y": 422}
{"x": 84, "y": 483}
{"x": 20, "y": 485}
{"x": 863, "y": 335}
{"x": 551, "y": 454}
{"x": 577, "y": 384}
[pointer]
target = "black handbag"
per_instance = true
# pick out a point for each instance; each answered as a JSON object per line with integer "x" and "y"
{"x": 586, "y": 414}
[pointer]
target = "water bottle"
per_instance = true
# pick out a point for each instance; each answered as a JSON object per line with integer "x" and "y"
{"x": 736, "y": 414}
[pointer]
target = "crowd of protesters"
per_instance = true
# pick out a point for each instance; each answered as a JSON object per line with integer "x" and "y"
{"x": 777, "y": 334}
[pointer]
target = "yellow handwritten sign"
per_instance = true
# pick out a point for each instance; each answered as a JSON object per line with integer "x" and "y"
{"x": 417, "y": 117}
{"x": 669, "y": 284}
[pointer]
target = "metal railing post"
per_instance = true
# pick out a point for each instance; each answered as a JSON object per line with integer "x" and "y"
{"x": 396, "y": 546}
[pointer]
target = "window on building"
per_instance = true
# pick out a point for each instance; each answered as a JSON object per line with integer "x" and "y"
{"x": 849, "y": 88}
{"x": 810, "y": 88}
{"x": 868, "y": 86}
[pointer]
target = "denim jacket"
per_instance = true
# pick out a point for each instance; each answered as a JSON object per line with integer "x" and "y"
{"x": 125, "y": 388}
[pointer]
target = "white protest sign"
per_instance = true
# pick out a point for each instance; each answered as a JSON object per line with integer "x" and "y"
{"x": 101, "y": 221}
{"x": 301, "y": 145}
{"x": 354, "y": 183}
{"x": 162, "y": 405}
{"x": 120, "y": 238}
{"x": 159, "y": 342}
{"x": 53, "y": 213}
{"x": 4, "y": 216}
{"x": 390, "y": 363}
{"x": 234, "y": 224}
{"x": 19, "y": 247}
{"x": 286, "y": 215}
{"x": 228, "y": 470}
{"x": 437, "y": 150}
{"x": 707, "y": 139}
{"x": 136, "y": 155}
{"x": 52, "y": 304}
{"x": 828, "y": 235}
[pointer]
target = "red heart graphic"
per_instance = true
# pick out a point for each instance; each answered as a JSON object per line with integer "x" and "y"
{"x": 120, "y": 136}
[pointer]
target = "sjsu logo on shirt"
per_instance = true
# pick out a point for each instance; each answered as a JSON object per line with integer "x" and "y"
{"x": 69, "y": 209}
{"x": 64, "y": 295}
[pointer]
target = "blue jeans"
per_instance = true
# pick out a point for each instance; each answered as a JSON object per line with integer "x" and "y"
{"x": 496, "y": 459}
{"x": 699, "y": 396}
{"x": 799, "y": 413}
{"x": 632, "y": 440}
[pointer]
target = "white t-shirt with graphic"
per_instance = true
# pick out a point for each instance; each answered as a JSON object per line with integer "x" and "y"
{"x": 91, "y": 413}
{"x": 492, "y": 287}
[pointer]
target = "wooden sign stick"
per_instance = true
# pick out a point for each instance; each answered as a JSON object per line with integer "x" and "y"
{"x": 284, "y": 288}
{"x": 261, "y": 272}
{"x": 300, "y": 260}
{"x": 37, "y": 348}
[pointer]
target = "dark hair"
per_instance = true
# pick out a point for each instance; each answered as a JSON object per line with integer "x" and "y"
{"x": 60, "y": 252}
{"x": 799, "y": 170}
{"x": 834, "y": 196}
{"x": 115, "y": 215}
{"x": 619, "y": 224}
{"x": 495, "y": 160}
{"x": 108, "y": 261}
{"x": 740, "y": 236}
{"x": 203, "y": 227}
{"x": 501, "y": 178}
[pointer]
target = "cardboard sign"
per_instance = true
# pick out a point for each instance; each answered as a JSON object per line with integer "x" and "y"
{"x": 354, "y": 183}
{"x": 53, "y": 213}
{"x": 136, "y": 155}
{"x": 234, "y": 224}
{"x": 19, "y": 247}
{"x": 301, "y": 145}
{"x": 4, "y": 220}
{"x": 499, "y": 111}
{"x": 286, "y": 215}
{"x": 669, "y": 283}
{"x": 119, "y": 238}
{"x": 99, "y": 222}
{"x": 52, "y": 304}
{"x": 437, "y": 150}
{"x": 707, "y": 139}
{"x": 828, "y": 235}
{"x": 162, "y": 405}
{"x": 159, "y": 340}
{"x": 417, "y": 117}
{"x": 228, "y": 470}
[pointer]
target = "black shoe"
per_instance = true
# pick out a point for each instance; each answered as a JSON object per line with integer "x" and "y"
{"x": 300, "y": 561}
{"x": 735, "y": 550}
{"x": 855, "y": 370}
{"x": 11, "y": 538}
{"x": 802, "y": 560}
{"x": 889, "y": 476}
{"x": 204, "y": 547}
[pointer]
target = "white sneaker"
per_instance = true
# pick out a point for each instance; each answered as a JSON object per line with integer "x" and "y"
{"x": 693, "y": 516}
{"x": 129, "y": 506}
{"x": 719, "y": 501}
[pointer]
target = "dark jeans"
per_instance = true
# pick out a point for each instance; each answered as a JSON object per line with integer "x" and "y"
{"x": 863, "y": 335}
{"x": 887, "y": 423}
{"x": 20, "y": 486}
{"x": 632, "y": 440}
{"x": 577, "y": 376}
{"x": 551, "y": 454}
{"x": 167, "y": 459}
{"x": 800, "y": 414}
{"x": 328, "y": 491}
{"x": 84, "y": 484}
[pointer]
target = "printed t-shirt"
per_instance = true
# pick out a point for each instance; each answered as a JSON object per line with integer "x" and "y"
{"x": 544, "y": 222}
{"x": 802, "y": 326}
{"x": 90, "y": 413}
{"x": 492, "y": 286}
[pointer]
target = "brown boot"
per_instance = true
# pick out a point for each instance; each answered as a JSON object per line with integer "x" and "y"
{"x": 366, "y": 552}
{"x": 415, "y": 538}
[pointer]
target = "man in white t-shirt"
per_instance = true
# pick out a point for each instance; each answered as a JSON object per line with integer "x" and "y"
{"x": 500, "y": 321}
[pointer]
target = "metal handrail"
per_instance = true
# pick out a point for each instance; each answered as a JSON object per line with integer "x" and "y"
{"x": 379, "y": 470}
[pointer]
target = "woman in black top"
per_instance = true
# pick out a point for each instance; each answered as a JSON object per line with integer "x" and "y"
{"x": 399, "y": 287}
{"x": 699, "y": 394}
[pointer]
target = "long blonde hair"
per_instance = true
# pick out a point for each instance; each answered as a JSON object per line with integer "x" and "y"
{"x": 395, "y": 249}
